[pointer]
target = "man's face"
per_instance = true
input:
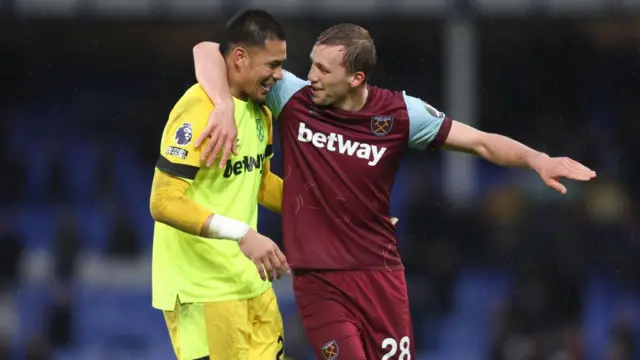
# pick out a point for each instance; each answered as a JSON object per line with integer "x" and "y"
{"x": 328, "y": 76}
{"x": 262, "y": 68}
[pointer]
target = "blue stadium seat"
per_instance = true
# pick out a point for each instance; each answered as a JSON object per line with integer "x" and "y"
{"x": 477, "y": 294}
{"x": 38, "y": 224}
{"x": 133, "y": 183}
{"x": 38, "y": 169}
{"x": 105, "y": 316}
{"x": 32, "y": 302}
{"x": 604, "y": 304}
{"x": 94, "y": 225}
{"x": 81, "y": 170}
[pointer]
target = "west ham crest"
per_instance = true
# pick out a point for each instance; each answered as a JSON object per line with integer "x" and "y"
{"x": 330, "y": 350}
{"x": 381, "y": 125}
{"x": 260, "y": 129}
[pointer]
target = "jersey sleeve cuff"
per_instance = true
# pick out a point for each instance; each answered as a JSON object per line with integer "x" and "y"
{"x": 181, "y": 170}
{"x": 441, "y": 136}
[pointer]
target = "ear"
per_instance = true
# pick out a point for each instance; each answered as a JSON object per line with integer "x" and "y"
{"x": 357, "y": 79}
{"x": 239, "y": 55}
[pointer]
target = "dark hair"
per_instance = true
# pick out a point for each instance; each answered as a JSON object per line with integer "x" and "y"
{"x": 359, "y": 49}
{"x": 251, "y": 28}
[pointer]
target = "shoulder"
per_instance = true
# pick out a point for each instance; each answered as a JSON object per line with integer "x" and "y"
{"x": 382, "y": 93}
{"x": 195, "y": 99}
{"x": 292, "y": 82}
{"x": 191, "y": 113}
{"x": 388, "y": 101}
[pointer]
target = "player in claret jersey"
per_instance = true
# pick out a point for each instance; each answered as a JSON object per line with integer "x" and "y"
{"x": 342, "y": 142}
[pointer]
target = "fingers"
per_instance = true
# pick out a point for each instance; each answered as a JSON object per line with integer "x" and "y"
{"x": 205, "y": 134}
{"x": 268, "y": 267}
{"x": 208, "y": 153}
{"x": 283, "y": 261}
{"x": 261, "y": 269}
{"x": 556, "y": 185}
{"x": 219, "y": 143}
{"x": 277, "y": 266}
{"x": 273, "y": 265}
{"x": 234, "y": 145}
{"x": 214, "y": 154}
{"x": 576, "y": 171}
{"x": 229, "y": 147}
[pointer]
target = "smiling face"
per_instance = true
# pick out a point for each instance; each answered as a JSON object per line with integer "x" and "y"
{"x": 330, "y": 80}
{"x": 254, "y": 45}
{"x": 259, "y": 67}
{"x": 341, "y": 60}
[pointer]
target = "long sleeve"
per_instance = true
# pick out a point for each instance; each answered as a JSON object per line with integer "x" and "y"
{"x": 270, "y": 195}
{"x": 170, "y": 205}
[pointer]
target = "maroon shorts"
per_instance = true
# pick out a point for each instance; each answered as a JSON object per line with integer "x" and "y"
{"x": 356, "y": 315}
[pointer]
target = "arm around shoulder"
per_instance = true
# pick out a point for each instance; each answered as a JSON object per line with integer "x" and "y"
{"x": 211, "y": 72}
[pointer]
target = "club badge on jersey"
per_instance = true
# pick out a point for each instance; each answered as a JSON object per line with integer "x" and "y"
{"x": 381, "y": 125}
{"x": 330, "y": 350}
{"x": 183, "y": 134}
{"x": 260, "y": 129}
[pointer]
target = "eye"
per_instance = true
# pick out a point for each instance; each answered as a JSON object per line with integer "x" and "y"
{"x": 322, "y": 69}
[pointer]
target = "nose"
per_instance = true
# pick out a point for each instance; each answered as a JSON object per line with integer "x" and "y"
{"x": 278, "y": 74}
{"x": 312, "y": 76}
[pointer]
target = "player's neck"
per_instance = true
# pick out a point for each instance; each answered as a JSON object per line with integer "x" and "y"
{"x": 355, "y": 100}
{"x": 234, "y": 86}
{"x": 237, "y": 93}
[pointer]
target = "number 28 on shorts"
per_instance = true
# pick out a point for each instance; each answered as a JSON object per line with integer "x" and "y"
{"x": 399, "y": 350}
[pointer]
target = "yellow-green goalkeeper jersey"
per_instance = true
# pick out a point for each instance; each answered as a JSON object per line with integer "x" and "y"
{"x": 189, "y": 267}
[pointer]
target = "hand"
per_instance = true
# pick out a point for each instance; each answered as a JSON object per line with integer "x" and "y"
{"x": 552, "y": 169}
{"x": 223, "y": 132}
{"x": 268, "y": 258}
{"x": 394, "y": 221}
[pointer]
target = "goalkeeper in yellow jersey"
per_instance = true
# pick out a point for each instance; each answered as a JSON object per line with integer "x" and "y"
{"x": 216, "y": 304}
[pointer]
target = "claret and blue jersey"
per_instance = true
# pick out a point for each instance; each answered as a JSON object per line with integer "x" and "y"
{"x": 339, "y": 168}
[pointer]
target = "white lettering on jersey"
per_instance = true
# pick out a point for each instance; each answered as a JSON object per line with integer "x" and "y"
{"x": 345, "y": 147}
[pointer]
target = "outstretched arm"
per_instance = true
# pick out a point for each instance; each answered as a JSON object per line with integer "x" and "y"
{"x": 495, "y": 148}
{"x": 505, "y": 151}
{"x": 431, "y": 128}
{"x": 211, "y": 73}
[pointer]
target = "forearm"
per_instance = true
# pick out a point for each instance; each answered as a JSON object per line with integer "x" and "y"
{"x": 270, "y": 195}
{"x": 505, "y": 151}
{"x": 170, "y": 205}
{"x": 211, "y": 72}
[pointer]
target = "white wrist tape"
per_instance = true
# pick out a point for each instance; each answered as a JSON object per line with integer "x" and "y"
{"x": 222, "y": 227}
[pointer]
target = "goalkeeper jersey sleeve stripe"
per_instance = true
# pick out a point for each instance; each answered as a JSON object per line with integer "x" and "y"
{"x": 181, "y": 170}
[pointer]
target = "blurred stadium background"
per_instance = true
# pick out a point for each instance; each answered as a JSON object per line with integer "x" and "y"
{"x": 499, "y": 267}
